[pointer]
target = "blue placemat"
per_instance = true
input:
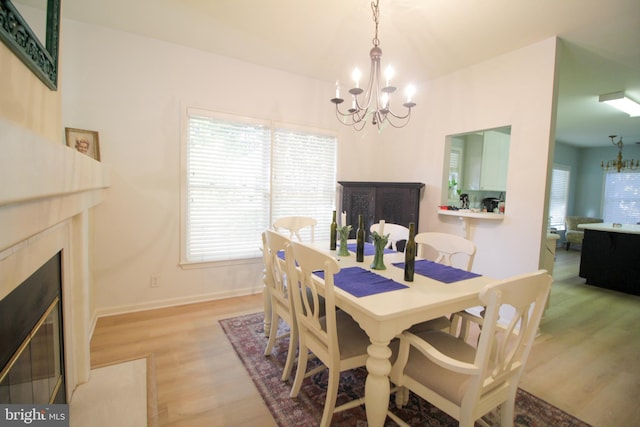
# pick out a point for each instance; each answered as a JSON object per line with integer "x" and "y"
{"x": 369, "y": 249}
{"x": 439, "y": 272}
{"x": 361, "y": 283}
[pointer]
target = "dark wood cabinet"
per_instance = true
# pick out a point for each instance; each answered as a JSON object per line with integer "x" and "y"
{"x": 394, "y": 202}
{"x": 611, "y": 260}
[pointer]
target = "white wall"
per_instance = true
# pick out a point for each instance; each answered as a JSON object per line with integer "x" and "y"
{"x": 131, "y": 89}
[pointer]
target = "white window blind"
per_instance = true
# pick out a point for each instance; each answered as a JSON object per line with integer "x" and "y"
{"x": 621, "y": 202}
{"x": 304, "y": 178}
{"x": 454, "y": 164}
{"x": 241, "y": 174}
{"x": 455, "y": 168}
{"x": 559, "y": 196}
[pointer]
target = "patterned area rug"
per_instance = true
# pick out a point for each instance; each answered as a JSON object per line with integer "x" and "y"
{"x": 247, "y": 337}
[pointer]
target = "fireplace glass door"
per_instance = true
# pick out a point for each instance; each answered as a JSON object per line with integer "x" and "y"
{"x": 34, "y": 374}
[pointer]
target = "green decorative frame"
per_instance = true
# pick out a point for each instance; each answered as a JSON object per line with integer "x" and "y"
{"x": 20, "y": 38}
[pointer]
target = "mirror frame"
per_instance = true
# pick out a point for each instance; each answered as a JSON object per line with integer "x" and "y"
{"x": 21, "y": 39}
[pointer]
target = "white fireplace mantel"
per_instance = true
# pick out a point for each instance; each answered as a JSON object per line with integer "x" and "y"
{"x": 46, "y": 193}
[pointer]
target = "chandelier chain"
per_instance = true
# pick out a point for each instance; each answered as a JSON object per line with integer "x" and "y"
{"x": 376, "y": 20}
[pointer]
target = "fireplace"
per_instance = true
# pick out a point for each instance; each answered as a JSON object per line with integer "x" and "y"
{"x": 46, "y": 202}
{"x": 32, "y": 354}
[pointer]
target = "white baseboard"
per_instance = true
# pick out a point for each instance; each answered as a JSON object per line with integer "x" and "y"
{"x": 173, "y": 302}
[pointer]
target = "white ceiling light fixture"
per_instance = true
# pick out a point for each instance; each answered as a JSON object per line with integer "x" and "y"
{"x": 621, "y": 102}
{"x": 375, "y": 104}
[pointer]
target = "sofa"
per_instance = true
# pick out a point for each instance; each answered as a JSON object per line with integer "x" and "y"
{"x": 573, "y": 234}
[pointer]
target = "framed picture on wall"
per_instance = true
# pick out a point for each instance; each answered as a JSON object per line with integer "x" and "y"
{"x": 84, "y": 141}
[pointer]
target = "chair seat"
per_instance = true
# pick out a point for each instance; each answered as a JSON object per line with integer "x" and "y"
{"x": 439, "y": 324}
{"x": 469, "y": 380}
{"x": 448, "y": 384}
{"x": 352, "y": 340}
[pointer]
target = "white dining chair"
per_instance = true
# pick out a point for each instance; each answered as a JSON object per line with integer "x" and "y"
{"x": 468, "y": 381}
{"x": 335, "y": 339}
{"x": 451, "y": 250}
{"x": 281, "y": 303}
{"x": 396, "y": 233}
{"x": 296, "y": 225}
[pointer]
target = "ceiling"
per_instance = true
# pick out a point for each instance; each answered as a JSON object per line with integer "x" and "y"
{"x": 423, "y": 39}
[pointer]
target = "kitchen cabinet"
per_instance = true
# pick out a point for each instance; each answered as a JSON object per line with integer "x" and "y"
{"x": 472, "y": 162}
{"x": 394, "y": 202}
{"x": 610, "y": 257}
{"x": 495, "y": 161}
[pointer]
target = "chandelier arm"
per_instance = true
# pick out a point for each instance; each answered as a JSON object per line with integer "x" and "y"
{"x": 341, "y": 114}
{"x": 368, "y": 93}
{"x": 400, "y": 125}
{"x": 359, "y": 125}
{"x": 406, "y": 116}
{"x": 360, "y": 115}
{"x": 349, "y": 119}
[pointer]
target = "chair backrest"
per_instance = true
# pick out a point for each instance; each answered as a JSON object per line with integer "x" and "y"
{"x": 293, "y": 224}
{"x": 502, "y": 351}
{"x": 396, "y": 233}
{"x": 448, "y": 247}
{"x": 274, "y": 243}
{"x": 572, "y": 222}
{"x": 321, "y": 336}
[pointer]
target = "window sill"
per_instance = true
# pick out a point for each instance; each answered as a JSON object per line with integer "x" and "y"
{"x": 185, "y": 265}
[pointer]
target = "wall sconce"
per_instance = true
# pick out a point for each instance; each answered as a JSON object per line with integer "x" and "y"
{"x": 621, "y": 102}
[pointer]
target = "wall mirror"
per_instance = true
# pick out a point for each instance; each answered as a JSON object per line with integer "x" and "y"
{"x": 41, "y": 56}
{"x": 476, "y": 164}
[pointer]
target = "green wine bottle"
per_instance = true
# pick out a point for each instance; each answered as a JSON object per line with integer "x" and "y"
{"x": 410, "y": 254}
{"x": 334, "y": 231}
{"x": 360, "y": 240}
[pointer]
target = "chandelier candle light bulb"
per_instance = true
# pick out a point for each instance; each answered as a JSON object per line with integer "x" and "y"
{"x": 355, "y": 75}
{"x": 388, "y": 73}
{"x": 409, "y": 92}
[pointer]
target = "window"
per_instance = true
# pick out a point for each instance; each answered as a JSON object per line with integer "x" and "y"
{"x": 622, "y": 197}
{"x": 559, "y": 196}
{"x": 241, "y": 174}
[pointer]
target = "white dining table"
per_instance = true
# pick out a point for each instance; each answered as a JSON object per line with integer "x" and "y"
{"x": 384, "y": 315}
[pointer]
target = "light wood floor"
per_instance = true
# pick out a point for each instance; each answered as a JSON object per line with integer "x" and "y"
{"x": 585, "y": 361}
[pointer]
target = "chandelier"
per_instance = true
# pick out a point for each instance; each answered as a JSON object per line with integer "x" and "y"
{"x": 375, "y": 103}
{"x": 618, "y": 163}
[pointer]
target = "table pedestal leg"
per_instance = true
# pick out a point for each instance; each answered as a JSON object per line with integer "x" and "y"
{"x": 377, "y": 387}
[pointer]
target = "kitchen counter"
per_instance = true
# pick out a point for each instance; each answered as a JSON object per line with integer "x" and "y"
{"x": 610, "y": 257}
{"x": 468, "y": 217}
{"x": 619, "y": 228}
{"x": 468, "y": 213}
